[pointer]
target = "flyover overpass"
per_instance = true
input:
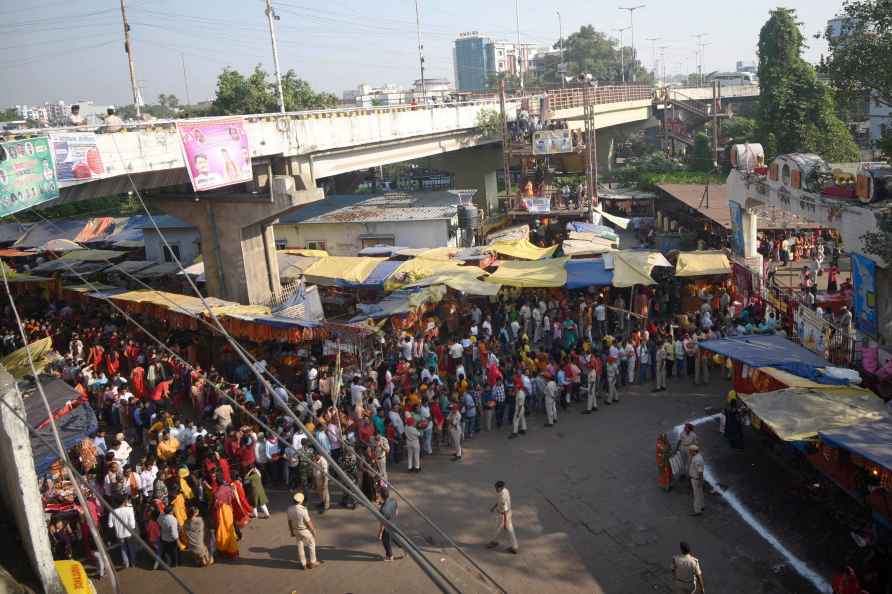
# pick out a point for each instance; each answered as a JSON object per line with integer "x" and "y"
{"x": 291, "y": 152}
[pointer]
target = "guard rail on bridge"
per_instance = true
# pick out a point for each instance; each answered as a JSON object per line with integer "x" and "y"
{"x": 576, "y": 97}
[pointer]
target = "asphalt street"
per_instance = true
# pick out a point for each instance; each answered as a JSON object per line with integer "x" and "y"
{"x": 589, "y": 514}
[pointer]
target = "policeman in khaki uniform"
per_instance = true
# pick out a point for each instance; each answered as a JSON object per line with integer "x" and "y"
{"x": 503, "y": 507}
{"x": 695, "y": 471}
{"x": 303, "y": 530}
{"x": 686, "y": 575}
{"x": 520, "y": 420}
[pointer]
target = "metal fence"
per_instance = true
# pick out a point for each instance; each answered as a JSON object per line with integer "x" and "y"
{"x": 575, "y": 97}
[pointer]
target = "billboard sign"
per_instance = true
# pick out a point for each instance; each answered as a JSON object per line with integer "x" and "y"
{"x": 27, "y": 176}
{"x": 76, "y": 156}
{"x": 217, "y": 153}
{"x": 737, "y": 243}
{"x": 551, "y": 142}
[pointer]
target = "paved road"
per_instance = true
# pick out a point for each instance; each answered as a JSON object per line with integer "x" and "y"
{"x": 588, "y": 512}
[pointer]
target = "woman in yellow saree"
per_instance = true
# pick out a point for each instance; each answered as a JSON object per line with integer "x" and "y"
{"x": 227, "y": 540}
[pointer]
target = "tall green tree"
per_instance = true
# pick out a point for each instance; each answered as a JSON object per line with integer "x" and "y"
{"x": 257, "y": 93}
{"x": 794, "y": 106}
{"x": 860, "y": 59}
{"x": 701, "y": 155}
{"x": 9, "y": 114}
{"x": 588, "y": 51}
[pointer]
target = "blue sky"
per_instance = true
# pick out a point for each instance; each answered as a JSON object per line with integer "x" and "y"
{"x": 72, "y": 49}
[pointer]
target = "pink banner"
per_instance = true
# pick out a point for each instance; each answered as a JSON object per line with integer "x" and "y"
{"x": 217, "y": 153}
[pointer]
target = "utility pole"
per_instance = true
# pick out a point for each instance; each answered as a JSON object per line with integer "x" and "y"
{"x": 632, "y": 10}
{"x": 622, "y": 52}
{"x": 591, "y": 152}
{"x": 185, "y": 78}
{"x": 716, "y": 93}
{"x": 663, "y": 63}
{"x": 700, "y": 46}
{"x": 653, "y": 48}
{"x": 561, "y": 68}
{"x": 128, "y": 47}
{"x": 506, "y": 145}
{"x": 517, "y": 48}
{"x": 420, "y": 52}
{"x": 270, "y": 17}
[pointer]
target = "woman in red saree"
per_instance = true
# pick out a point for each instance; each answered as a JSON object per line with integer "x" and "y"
{"x": 138, "y": 382}
{"x": 242, "y": 510}
{"x": 113, "y": 363}
{"x": 664, "y": 453}
{"x": 225, "y": 504}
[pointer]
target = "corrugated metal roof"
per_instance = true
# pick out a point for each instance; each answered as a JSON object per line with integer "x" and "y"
{"x": 359, "y": 208}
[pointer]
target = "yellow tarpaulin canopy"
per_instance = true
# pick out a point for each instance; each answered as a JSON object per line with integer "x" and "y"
{"x": 440, "y": 253}
{"x": 577, "y": 247}
{"x": 348, "y": 269}
{"x": 522, "y": 248}
{"x": 799, "y": 413}
{"x": 412, "y": 271}
{"x": 462, "y": 279}
{"x": 702, "y": 264}
{"x": 91, "y": 255}
{"x": 305, "y": 253}
{"x": 537, "y": 274}
{"x": 16, "y": 362}
{"x": 634, "y": 267}
{"x": 620, "y": 222}
{"x": 185, "y": 304}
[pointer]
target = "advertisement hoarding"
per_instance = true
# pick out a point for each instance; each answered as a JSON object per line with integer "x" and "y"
{"x": 27, "y": 176}
{"x": 217, "y": 153}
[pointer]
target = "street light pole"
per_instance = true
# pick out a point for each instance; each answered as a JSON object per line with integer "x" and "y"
{"x": 622, "y": 53}
{"x": 561, "y": 70}
{"x": 517, "y": 48}
{"x": 632, "y": 10}
{"x": 128, "y": 47}
{"x": 653, "y": 47}
{"x": 700, "y": 46}
{"x": 270, "y": 17}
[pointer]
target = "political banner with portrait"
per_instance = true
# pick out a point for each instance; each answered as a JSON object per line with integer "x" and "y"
{"x": 813, "y": 330}
{"x": 76, "y": 156}
{"x": 217, "y": 153}
{"x": 27, "y": 176}
{"x": 737, "y": 244}
{"x": 551, "y": 142}
{"x": 864, "y": 280}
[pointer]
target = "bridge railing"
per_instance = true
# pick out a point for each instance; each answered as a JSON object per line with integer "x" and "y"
{"x": 335, "y": 112}
{"x": 575, "y": 97}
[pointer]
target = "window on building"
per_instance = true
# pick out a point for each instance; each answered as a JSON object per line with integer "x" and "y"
{"x": 170, "y": 252}
{"x": 316, "y": 244}
{"x": 372, "y": 241}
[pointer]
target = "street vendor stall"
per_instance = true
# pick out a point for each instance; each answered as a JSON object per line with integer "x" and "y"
{"x": 757, "y": 351}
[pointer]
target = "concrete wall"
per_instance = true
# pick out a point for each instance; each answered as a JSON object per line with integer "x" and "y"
{"x": 186, "y": 240}
{"x": 345, "y": 239}
{"x": 19, "y": 487}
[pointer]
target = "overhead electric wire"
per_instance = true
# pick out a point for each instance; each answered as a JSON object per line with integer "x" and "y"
{"x": 434, "y": 574}
{"x": 91, "y": 524}
{"x": 368, "y": 467}
{"x": 73, "y": 472}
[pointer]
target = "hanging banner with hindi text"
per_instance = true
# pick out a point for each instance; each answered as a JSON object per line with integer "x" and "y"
{"x": 27, "y": 176}
{"x": 217, "y": 152}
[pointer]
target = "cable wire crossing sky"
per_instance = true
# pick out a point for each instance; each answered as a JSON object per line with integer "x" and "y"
{"x": 74, "y": 50}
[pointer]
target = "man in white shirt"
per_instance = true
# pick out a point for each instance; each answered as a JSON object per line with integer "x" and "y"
{"x": 122, "y": 520}
{"x": 357, "y": 392}
{"x": 601, "y": 318}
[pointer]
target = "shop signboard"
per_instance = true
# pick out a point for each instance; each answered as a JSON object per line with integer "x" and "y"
{"x": 864, "y": 279}
{"x": 27, "y": 176}
{"x": 217, "y": 152}
{"x": 76, "y": 156}
{"x": 540, "y": 205}
{"x": 552, "y": 142}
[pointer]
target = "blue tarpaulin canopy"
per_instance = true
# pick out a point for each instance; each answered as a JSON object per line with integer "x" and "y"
{"x": 598, "y": 230}
{"x": 381, "y": 272}
{"x": 871, "y": 440}
{"x": 773, "y": 350}
{"x": 587, "y": 272}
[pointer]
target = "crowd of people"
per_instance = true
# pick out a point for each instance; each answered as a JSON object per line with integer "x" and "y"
{"x": 185, "y": 450}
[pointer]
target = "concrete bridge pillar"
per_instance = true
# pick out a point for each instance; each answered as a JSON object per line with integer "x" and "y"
{"x": 236, "y": 227}
{"x": 474, "y": 169}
